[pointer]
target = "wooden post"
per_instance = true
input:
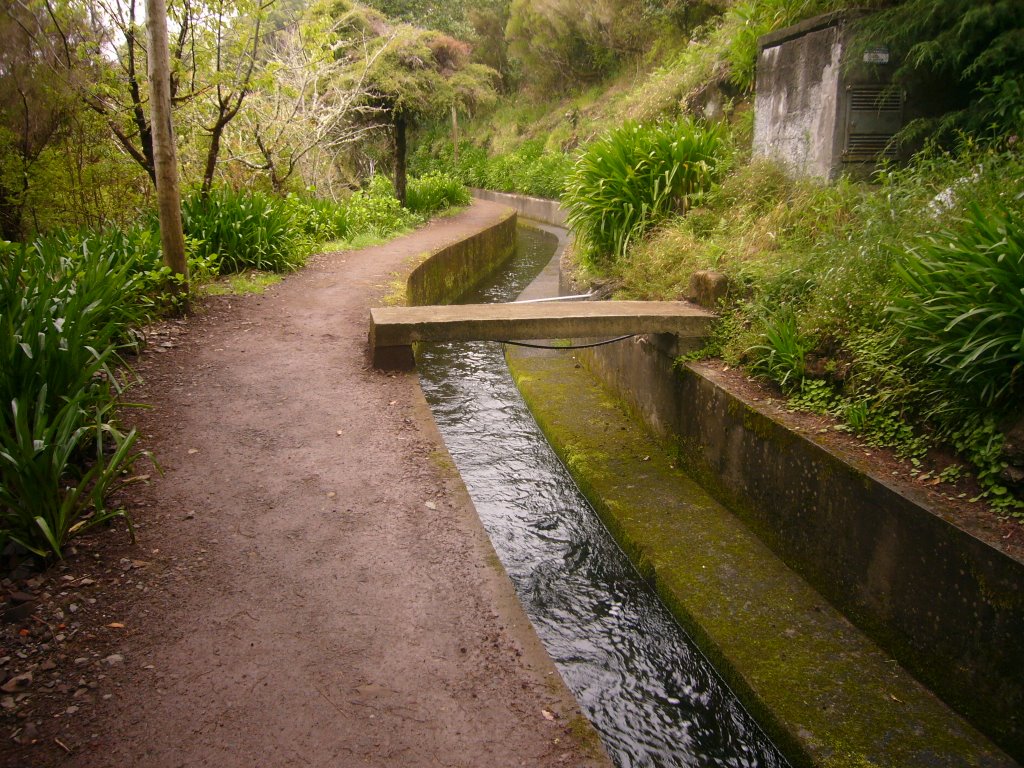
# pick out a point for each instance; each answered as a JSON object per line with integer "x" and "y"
{"x": 165, "y": 161}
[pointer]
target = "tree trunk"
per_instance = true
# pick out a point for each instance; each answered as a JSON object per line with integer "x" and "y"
{"x": 211, "y": 158}
{"x": 165, "y": 159}
{"x": 455, "y": 136}
{"x": 400, "y": 176}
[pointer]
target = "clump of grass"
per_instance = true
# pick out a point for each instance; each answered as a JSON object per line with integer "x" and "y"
{"x": 245, "y": 230}
{"x": 63, "y": 315}
{"x": 963, "y": 308}
{"x": 435, "y": 192}
{"x": 634, "y": 178}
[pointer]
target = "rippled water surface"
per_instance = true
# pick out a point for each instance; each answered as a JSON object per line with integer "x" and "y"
{"x": 652, "y": 696}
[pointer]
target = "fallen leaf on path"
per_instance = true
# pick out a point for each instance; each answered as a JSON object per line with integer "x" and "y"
{"x": 115, "y": 625}
{"x": 547, "y": 715}
{"x": 430, "y": 505}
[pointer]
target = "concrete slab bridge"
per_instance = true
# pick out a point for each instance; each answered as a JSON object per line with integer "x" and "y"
{"x": 393, "y": 330}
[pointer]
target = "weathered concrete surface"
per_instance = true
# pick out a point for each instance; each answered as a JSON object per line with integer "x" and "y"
{"x": 448, "y": 272}
{"x": 947, "y": 605}
{"x": 536, "y": 208}
{"x": 796, "y": 105}
{"x": 825, "y": 693}
{"x": 392, "y": 327}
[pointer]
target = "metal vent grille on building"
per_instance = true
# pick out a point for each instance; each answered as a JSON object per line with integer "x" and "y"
{"x": 874, "y": 113}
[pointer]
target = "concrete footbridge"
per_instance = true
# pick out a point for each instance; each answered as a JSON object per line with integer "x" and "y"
{"x": 393, "y": 330}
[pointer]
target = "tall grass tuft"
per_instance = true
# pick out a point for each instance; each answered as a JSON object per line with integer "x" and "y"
{"x": 435, "y": 192}
{"x": 963, "y": 312}
{"x": 636, "y": 176}
{"x": 245, "y": 230}
{"x": 63, "y": 314}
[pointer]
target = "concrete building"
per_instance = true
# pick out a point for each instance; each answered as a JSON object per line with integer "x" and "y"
{"x": 823, "y": 106}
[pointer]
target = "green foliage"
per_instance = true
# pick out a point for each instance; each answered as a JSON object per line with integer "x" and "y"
{"x": 781, "y": 353}
{"x": 375, "y": 210}
{"x": 449, "y": 17}
{"x": 63, "y": 314}
{"x": 963, "y": 309}
{"x": 562, "y": 42}
{"x": 435, "y": 192}
{"x": 977, "y": 44}
{"x": 633, "y": 178}
{"x": 245, "y": 230}
{"x": 528, "y": 169}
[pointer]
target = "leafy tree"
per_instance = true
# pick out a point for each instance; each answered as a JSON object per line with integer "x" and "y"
{"x": 235, "y": 33}
{"x": 98, "y": 49}
{"x": 309, "y": 104}
{"x": 978, "y": 44}
{"x": 34, "y": 109}
{"x": 417, "y": 74}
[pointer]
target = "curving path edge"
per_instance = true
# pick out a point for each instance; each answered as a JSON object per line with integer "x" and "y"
{"x": 320, "y": 590}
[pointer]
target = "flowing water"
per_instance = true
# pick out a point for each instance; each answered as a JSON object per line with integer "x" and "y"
{"x": 652, "y": 696}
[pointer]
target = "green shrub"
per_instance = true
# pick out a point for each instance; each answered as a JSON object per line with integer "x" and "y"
{"x": 319, "y": 219}
{"x": 963, "y": 312}
{"x": 435, "y": 192}
{"x": 63, "y": 314}
{"x": 245, "y": 230}
{"x": 528, "y": 170}
{"x": 376, "y": 211}
{"x": 635, "y": 177}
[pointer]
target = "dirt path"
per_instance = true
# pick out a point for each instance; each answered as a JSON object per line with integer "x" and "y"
{"x": 311, "y": 586}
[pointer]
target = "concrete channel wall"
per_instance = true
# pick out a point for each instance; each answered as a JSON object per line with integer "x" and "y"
{"x": 458, "y": 267}
{"x": 948, "y": 606}
{"x": 536, "y": 208}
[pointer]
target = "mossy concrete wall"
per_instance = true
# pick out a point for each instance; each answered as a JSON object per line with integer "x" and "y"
{"x": 447, "y": 273}
{"x": 826, "y": 694}
{"x": 536, "y": 208}
{"x": 451, "y": 271}
{"x": 948, "y": 606}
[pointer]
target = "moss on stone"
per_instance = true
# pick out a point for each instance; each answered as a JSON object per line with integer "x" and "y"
{"x": 821, "y": 689}
{"x": 586, "y": 738}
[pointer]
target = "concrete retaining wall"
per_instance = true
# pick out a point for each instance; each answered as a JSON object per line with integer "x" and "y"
{"x": 459, "y": 267}
{"x": 948, "y": 606}
{"x": 536, "y": 208}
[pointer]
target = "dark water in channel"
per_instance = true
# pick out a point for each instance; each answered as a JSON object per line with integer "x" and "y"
{"x": 652, "y": 696}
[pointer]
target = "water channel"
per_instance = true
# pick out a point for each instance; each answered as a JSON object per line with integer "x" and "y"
{"x": 652, "y": 696}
